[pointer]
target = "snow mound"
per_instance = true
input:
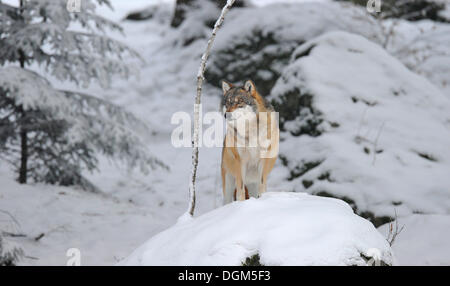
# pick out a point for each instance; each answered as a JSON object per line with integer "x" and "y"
{"x": 423, "y": 240}
{"x": 282, "y": 228}
{"x": 360, "y": 126}
{"x": 257, "y": 42}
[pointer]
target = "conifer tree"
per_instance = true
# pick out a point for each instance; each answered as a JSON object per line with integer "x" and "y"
{"x": 51, "y": 135}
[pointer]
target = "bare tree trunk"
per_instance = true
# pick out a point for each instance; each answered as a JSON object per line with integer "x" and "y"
{"x": 200, "y": 78}
{"x": 23, "y": 133}
{"x": 23, "y": 157}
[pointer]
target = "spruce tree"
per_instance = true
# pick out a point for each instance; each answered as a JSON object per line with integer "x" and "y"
{"x": 48, "y": 134}
{"x": 9, "y": 254}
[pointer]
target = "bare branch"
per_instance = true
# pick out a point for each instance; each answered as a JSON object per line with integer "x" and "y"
{"x": 393, "y": 233}
{"x": 375, "y": 143}
{"x": 200, "y": 78}
{"x": 10, "y": 234}
{"x": 11, "y": 217}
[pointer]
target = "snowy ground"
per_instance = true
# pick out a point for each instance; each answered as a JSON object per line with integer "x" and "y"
{"x": 423, "y": 241}
{"x": 107, "y": 228}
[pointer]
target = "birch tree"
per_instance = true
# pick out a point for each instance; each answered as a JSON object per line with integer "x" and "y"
{"x": 197, "y": 105}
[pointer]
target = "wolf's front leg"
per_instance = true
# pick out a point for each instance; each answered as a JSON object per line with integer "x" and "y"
{"x": 267, "y": 167}
{"x": 240, "y": 186}
{"x": 262, "y": 187}
{"x": 229, "y": 187}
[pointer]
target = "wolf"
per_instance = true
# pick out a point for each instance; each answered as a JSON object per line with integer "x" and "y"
{"x": 246, "y": 166}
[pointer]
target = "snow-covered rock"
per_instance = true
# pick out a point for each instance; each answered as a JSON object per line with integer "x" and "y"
{"x": 380, "y": 134}
{"x": 282, "y": 228}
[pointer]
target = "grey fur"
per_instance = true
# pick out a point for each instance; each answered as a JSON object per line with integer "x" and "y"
{"x": 240, "y": 97}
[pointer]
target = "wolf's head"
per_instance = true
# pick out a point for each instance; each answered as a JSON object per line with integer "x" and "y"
{"x": 239, "y": 100}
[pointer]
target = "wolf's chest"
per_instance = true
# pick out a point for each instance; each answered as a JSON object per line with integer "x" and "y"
{"x": 251, "y": 163}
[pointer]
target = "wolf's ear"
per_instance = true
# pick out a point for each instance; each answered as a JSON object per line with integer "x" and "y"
{"x": 250, "y": 86}
{"x": 226, "y": 86}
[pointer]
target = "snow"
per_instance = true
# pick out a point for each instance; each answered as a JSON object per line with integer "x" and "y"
{"x": 446, "y": 12}
{"x": 379, "y": 105}
{"x": 282, "y": 21}
{"x": 133, "y": 207}
{"x": 283, "y": 228}
{"x": 423, "y": 47}
{"x": 34, "y": 91}
{"x": 268, "y": 2}
{"x": 423, "y": 241}
{"x": 103, "y": 228}
{"x": 122, "y": 8}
